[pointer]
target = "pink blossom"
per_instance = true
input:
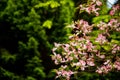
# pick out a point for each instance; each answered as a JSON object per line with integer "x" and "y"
{"x": 85, "y": 27}
{"x": 81, "y": 64}
{"x": 98, "y": 3}
{"x": 96, "y": 13}
{"x": 99, "y": 71}
{"x": 92, "y": 7}
{"x": 70, "y": 58}
{"x": 105, "y": 63}
{"x": 54, "y": 49}
{"x": 66, "y": 47}
{"x": 115, "y": 49}
{"x": 57, "y": 58}
{"x": 112, "y": 12}
{"x": 57, "y": 45}
{"x": 101, "y": 39}
{"x": 89, "y": 45}
{"x": 117, "y": 65}
{"x": 102, "y": 56}
{"x": 81, "y": 52}
{"x": 104, "y": 69}
{"x": 114, "y": 9}
{"x": 90, "y": 62}
{"x": 88, "y": 10}
{"x": 102, "y": 25}
{"x": 114, "y": 24}
{"x": 64, "y": 73}
{"x": 112, "y": 21}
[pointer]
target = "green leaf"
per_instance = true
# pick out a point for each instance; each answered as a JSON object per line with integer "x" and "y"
{"x": 6, "y": 56}
{"x": 39, "y": 71}
{"x": 32, "y": 43}
{"x": 107, "y": 48}
{"x": 42, "y": 4}
{"x": 30, "y": 78}
{"x": 104, "y": 18}
{"x": 54, "y": 4}
{"x": 115, "y": 41}
{"x": 47, "y": 24}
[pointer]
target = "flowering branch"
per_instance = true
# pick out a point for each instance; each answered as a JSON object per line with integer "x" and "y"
{"x": 87, "y": 48}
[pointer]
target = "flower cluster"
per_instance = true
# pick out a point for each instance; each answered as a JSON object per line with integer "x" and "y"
{"x": 113, "y": 25}
{"x": 86, "y": 48}
{"x": 117, "y": 64}
{"x": 115, "y": 49}
{"x": 92, "y": 7}
{"x": 104, "y": 69}
{"x": 64, "y": 73}
{"x": 82, "y": 27}
{"x": 114, "y": 9}
{"x": 101, "y": 39}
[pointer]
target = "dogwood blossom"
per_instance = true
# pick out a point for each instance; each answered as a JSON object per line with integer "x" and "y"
{"x": 84, "y": 50}
{"x": 92, "y": 8}
{"x": 114, "y": 9}
{"x": 101, "y": 39}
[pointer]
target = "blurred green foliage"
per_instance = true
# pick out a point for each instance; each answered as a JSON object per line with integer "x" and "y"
{"x": 28, "y": 29}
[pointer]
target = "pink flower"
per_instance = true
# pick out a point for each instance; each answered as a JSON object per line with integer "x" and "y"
{"x": 99, "y": 71}
{"x": 65, "y": 74}
{"x": 101, "y": 39}
{"x": 66, "y": 47}
{"x": 81, "y": 64}
{"x": 96, "y": 13}
{"x": 117, "y": 65}
{"x": 114, "y": 9}
{"x": 54, "y": 49}
{"x": 112, "y": 21}
{"x": 81, "y": 52}
{"x": 57, "y": 45}
{"x": 57, "y": 58}
{"x": 102, "y": 26}
{"x": 88, "y": 10}
{"x": 112, "y": 12}
{"x": 86, "y": 28}
{"x": 114, "y": 24}
{"x": 115, "y": 49}
{"x": 83, "y": 27}
{"x": 89, "y": 45}
{"x": 90, "y": 62}
{"x": 102, "y": 56}
{"x": 91, "y": 8}
{"x": 105, "y": 63}
{"x": 104, "y": 69}
{"x": 70, "y": 58}
{"x": 98, "y": 3}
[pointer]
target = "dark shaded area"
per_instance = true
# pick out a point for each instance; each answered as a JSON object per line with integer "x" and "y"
{"x": 25, "y": 44}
